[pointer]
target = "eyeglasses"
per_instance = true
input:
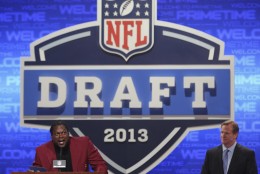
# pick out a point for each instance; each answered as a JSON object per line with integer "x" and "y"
{"x": 58, "y": 134}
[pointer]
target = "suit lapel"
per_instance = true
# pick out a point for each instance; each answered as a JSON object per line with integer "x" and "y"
{"x": 234, "y": 159}
{"x": 74, "y": 154}
{"x": 51, "y": 154}
{"x": 220, "y": 161}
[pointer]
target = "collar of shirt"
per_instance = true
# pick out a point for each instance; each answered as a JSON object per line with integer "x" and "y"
{"x": 231, "y": 148}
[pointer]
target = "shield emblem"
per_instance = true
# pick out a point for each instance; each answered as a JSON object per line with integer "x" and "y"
{"x": 126, "y": 27}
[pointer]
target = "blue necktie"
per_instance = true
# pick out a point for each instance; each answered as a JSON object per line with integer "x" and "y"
{"x": 225, "y": 160}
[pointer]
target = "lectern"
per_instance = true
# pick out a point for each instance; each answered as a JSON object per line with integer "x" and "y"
{"x": 58, "y": 172}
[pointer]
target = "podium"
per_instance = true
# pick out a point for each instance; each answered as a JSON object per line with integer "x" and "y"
{"x": 58, "y": 172}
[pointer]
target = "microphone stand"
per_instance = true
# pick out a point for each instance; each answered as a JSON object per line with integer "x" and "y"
{"x": 60, "y": 157}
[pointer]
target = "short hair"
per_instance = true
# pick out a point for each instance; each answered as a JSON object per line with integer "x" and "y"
{"x": 58, "y": 123}
{"x": 235, "y": 128}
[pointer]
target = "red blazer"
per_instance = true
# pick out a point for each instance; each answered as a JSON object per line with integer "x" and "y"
{"x": 82, "y": 150}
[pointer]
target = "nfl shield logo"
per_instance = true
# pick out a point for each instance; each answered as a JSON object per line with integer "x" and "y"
{"x": 126, "y": 26}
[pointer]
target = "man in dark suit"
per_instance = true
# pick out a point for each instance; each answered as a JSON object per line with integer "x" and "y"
{"x": 79, "y": 152}
{"x": 230, "y": 157}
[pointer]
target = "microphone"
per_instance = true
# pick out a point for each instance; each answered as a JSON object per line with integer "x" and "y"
{"x": 60, "y": 157}
{"x": 59, "y": 163}
{"x": 60, "y": 154}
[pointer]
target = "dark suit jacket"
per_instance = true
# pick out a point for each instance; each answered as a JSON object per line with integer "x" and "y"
{"x": 242, "y": 162}
{"x": 82, "y": 152}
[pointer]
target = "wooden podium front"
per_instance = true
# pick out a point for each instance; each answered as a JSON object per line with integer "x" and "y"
{"x": 58, "y": 172}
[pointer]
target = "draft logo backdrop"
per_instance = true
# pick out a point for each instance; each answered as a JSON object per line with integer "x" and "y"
{"x": 135, "y": 85}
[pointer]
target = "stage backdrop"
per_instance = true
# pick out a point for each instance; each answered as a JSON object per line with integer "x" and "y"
{"x": 236, "y": 22}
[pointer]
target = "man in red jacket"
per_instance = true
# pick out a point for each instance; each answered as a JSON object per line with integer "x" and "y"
{"x": 78, "y": 152}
